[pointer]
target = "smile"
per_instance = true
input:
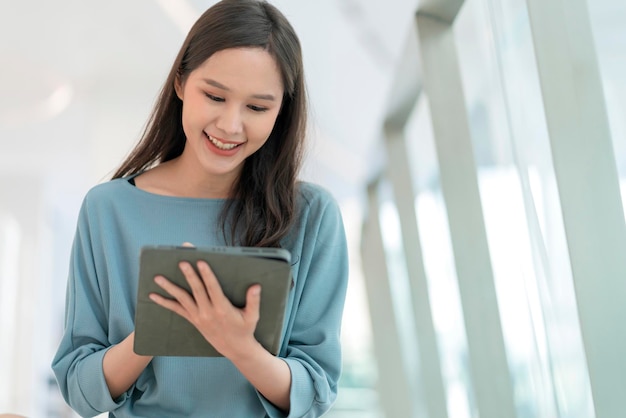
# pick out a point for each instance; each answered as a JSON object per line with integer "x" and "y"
{"x": 219, "y": 144}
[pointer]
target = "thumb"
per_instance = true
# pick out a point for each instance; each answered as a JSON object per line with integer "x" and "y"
{"x": 253, "y": 303}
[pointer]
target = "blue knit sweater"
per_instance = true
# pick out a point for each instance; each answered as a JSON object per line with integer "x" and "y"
{"x": 115, "y": 221}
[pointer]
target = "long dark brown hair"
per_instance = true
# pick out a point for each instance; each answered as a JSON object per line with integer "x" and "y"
{"x": 262, "y": 204}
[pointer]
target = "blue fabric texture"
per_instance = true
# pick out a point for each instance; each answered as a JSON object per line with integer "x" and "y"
{"x": 116, "y": 219}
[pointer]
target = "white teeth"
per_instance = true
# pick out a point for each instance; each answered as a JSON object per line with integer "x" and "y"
{"x": 221, "y": 145}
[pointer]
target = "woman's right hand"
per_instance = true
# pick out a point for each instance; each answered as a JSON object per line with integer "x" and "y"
{"x": 229, "y": 329}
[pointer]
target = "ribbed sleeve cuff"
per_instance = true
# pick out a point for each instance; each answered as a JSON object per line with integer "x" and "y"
{"x": 93, "y": 387}
{"x": 301, "y": 395}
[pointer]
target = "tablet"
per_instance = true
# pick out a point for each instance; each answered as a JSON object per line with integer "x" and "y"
{"x": 160, "y": 332}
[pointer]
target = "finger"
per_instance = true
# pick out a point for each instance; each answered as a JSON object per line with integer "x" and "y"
{"x": 177, "y": 292}
{"x": 253, "y": 304}
{"x": 169, "y": 304}
{"x": 198, "y": 290}
{"x": 188, "y": 244}
{"x": 210, "y": 281}
{"x": 181, "y": 295}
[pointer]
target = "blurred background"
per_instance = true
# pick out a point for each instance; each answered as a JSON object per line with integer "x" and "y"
{"x": 476, "y": 147}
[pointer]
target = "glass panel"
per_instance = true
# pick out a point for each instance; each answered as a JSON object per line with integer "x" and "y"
{"x": 400, "y": 290}
{"x": 522, "y": 211}
{"x": 10, "y": 235}
{"x": 608, "y": 18}
{"x": 439, "y": 264}
{"x": 357, "y": 396}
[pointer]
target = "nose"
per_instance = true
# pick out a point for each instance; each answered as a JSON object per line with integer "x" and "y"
{"x": 230, "y": 120}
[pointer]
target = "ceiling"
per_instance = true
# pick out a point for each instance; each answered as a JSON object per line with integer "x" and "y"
{"x": 78, "y": 78}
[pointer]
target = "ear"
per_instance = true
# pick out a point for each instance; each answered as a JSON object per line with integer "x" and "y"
{"x": 178, "y": 87}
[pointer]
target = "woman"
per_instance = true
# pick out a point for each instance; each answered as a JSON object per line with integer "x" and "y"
{"x": 217, "y": 165}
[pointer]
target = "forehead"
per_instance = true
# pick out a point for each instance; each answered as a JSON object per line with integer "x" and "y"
{"x": 245, "y": 70}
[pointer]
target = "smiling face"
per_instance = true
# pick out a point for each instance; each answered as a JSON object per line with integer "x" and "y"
{"x": 230, "y": 105}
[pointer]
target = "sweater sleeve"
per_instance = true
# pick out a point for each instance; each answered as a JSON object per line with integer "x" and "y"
{"x": 77, "y": 364}
{"x": 314, "y": 351}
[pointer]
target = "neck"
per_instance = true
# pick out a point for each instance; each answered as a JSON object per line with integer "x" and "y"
{"x": 198, "y": 183}
{"x": 180, "y": 179}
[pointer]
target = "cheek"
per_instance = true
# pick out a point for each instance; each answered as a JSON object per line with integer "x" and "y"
{"x": 260, "y": 131}
{"x": 268, "y": 125}
{"x": 187, "y": 114}
{"x": 194, "y": 116}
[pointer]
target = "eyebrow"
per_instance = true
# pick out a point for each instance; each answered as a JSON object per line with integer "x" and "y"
{"x": 219, "y": 85}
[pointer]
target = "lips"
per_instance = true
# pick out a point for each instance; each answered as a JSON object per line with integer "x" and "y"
{"x": 226, "y": 146}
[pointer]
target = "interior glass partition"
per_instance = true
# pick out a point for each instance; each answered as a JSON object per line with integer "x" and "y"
{"x": 522, "y": 210}
{"x": 10, "y": 237}
{"x": 608, "y": 19}
{"x": 357, "y": 386}
{"x": 431, "y": 213}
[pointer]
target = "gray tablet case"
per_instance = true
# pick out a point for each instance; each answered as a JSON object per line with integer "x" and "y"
{"x": 160, "y": 332}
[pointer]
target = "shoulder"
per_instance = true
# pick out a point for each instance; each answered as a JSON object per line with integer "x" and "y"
{"x": 99, "y": 204}
{"x": 110, "y": 188}
{"x": 318, "y": 228}
{"x": 318, "y": 210}
{"x": 314, "y": 197}
{"x": 104, "y": 194}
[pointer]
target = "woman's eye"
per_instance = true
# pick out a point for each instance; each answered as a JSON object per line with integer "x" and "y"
{"x": 214, "y": 98}
{"x": 257, "y": 108}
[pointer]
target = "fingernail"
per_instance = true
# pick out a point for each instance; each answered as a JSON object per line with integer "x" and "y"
{"x": 256, "y": 290}
{"x": 159, "y": 280}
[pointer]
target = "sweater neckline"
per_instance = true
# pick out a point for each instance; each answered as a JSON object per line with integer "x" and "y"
{"x": 126, "y": 182}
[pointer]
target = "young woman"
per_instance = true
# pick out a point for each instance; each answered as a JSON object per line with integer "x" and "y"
{"x": 217, "y": 165}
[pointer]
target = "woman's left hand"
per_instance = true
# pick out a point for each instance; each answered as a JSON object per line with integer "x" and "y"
{"x": 230, "y": 330}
